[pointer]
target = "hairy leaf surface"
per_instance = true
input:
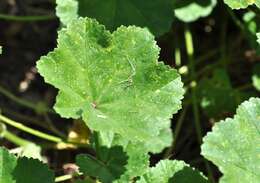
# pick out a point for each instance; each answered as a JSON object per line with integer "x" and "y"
{"x": 190, "y": 10}
{"x": 233, "y": 144}
{"x": 113, "y": 81}
{"x": 172, "y": 171}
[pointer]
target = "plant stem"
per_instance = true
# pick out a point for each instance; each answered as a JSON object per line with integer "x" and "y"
{"x": 15, "y": 139}
{"x": 21, "y": 101}
{"x": 30, "y": 130}
{"x": 66, "y": 177}
{"x": 176, "y": 132}
{"x": 190, "y": 52}
{"x": 27, "y": 18}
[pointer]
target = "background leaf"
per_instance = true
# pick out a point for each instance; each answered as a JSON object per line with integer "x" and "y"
{"x": 189, "y": 10}
{"x": 237, "y": 4}
{"x": 213, "y": 90}
{"x": 157, "y": 15}
{"x": 233, "y": 144}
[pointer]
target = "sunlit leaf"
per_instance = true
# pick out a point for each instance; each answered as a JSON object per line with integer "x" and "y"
{"x": 233, "y": 144}
{"x": 172, "y": 171}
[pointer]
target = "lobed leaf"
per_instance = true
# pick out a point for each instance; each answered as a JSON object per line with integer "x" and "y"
{"x": 172, "y": 171}
{"x": 189, "y": 10}
{"x": 23, "y": 170}
{"x": 233, "y": 144}
{"x": 113, "y": 81}
{"x": 238, "y": 4}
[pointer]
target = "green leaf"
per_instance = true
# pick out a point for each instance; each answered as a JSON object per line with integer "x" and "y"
{"x": 32, "y": 171}
{"x": 157, "y": 15}
{"x": 213, "y": 90}
{"x": 237, "y": 4}
{"x": 190, "y": 10}
{"x": 233, "y": 144}
{"x": 7, "y": 165}
{"x": 256, "y": 77}
{"x": 172, "y": 171}
{"x": 137, "y": 153}
{"x": 67, "y": 10}
{"x": 0, "y": 50}
{"x": 107, "y": 167}
{"x": 113, "y": 81}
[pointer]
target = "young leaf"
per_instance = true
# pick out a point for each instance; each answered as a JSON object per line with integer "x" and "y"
{"x": 256, "y": 77}
{"x": 157, "y": 15}
{"x": 189, "y": 11}
{"x": 172, "y": 171}
{"x": 233, "y": 144}
{"x": 7, "y": 165}
{"x": 113, "y": 81}
{"x": 109, "y": 166}
{"x": 237, "y": 4}
{"x": 32, "y": 171}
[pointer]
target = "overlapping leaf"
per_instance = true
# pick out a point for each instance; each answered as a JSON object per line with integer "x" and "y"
{"x": 157, "y": 15}
{"x": 113, "y": 81}
{"x": 190, "y": 10}
{"x": 7, "y": 165}
{"x": 23, "y": 170}
{"x": 237, "y": 4}
{"x": 233, "y": 144}
{"x": 108, "y": 167}
{"x": 137, "y": 153}
{"x": 172, "y": 171}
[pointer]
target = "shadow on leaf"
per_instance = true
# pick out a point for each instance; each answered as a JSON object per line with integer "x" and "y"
{"x": 108, "y": 166}
{"x": 187, "y": 175}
